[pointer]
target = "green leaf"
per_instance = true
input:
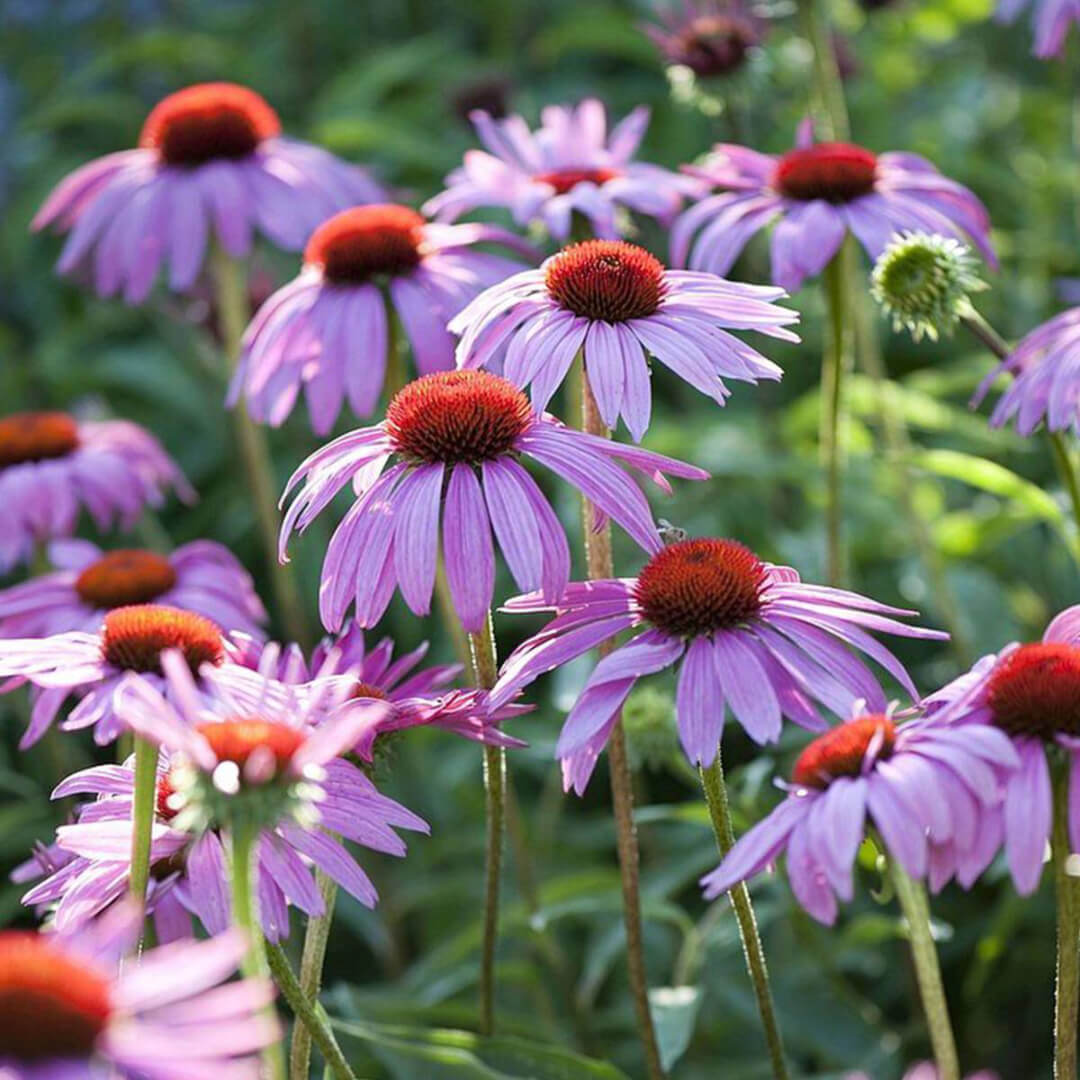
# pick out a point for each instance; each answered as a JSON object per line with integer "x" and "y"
{"x": 674, "y": 1012}
{"x": 446, "y": 1053}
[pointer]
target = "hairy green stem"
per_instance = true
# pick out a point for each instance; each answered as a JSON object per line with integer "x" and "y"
{"x": 598, "y": 557}
{"x": 309, "y": 1016}
{"x": 316, "y": 937}
{"x": 835, "y": 360}
{"x": 243, "y": 839}
{"x": 712, "y": 782}
{"x": 913, "y": 903}
{"x": 254, "y": 450}
{"x": 830, "y": 106}
{"x": 144, "y": 802}
{"x": 484, "y": 668}
{"x": 1067, "y": 471}
{"x": 1067, "y": 968}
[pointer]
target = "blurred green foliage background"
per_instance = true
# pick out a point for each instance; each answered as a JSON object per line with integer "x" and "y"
{"x": 386, "y": 83}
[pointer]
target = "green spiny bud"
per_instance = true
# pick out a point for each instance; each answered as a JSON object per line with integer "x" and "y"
{"x": 922, "y": 281}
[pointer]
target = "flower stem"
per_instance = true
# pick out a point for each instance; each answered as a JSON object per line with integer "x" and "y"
{"x": 834, "y": 362}
{"x": 1067, "y": 975}
{"x": 484, "y": 666}
{"x": 1067, "y": 471}
{"x": 712, "y": 782}
{"x": 913, "y": 903}
{"x": 831, "y": 107}
{"x": 243, "y": 837}
{"x": 254, "y": 450}
{"x": 143, "y": 805}
{"x": 601, "y": 565}
{"x": 309, "y": 1015}
{"x": 311, "y": 970}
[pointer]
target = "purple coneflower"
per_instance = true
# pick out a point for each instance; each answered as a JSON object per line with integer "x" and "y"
{"x": 749, "y": 634}
{"x": 456, "y": 437}
{"x": 710, "y": 37}
{"x": 1051, "y": 18}
{"x": 927, "y": 1070}
{"x": 211, "y": 160}
{"x": 1031, "y": 693}
{"x": 328, "y": 331}
{"x": 71, "y": 1013}
{"x": 93, "y": 665}
{"x": 190, "y": 869}
{"x": 52, "y": 465}
{"x": 203, "y": 576}
{"x": 618, "y": 304}
{"x": 411, "y": 698}
{"x": 571, "y": 164}
{"x": 1046, "y": 384}
{"x": 915, "y": 783}
{"x": 819, "y": 191}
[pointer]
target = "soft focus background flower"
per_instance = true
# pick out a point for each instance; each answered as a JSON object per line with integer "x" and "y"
{"x": 379, "y": 85}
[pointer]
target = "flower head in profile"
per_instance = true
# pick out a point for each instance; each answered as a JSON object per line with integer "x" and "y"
{"x": 713, "y": 38}
{"x": 916, "y": 783}
{"x": 327, "y": 332}
{"x": 746, "y": 635}
{"x": 1031, "y": 693}
{"x": 817, "y": 193}
{"x": 411, "y": 698}
{"x": 455, "y": 439}
{"x": 92, "y": 665}
{"x": 86, "y": 582}
{"x": 1045, "y": 388}
{"x": 275, "y": 760}
{"x": 211, "y": 167}
{"x": 570, "y": 165}
{"x": 1051, "y": 18}
{"x": 71, "y": 1012}
{"x": 616, "y": 304}
{"x": 923, "y": 283}
{"x": 52, "y": 466}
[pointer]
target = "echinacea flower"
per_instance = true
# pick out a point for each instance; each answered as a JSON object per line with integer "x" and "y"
{"x": 411, "y": 698}
{"x": 1030, "y": 692}
{"x": 914, "y": 783}
{"x": 927, "y": 1070}
{"x": 211, "y": 166}
{"x": 93, "y": 665}
{"x": 190, "y": 867}
{"x": 819, "y": 192}
{"x": 570, "y": 165}
{"x": 86, "y": 582}
{"x": 616, "y": 304}
{"x": 1051, "y": 18}
{"x": 712, "y": 38}
{"x": 328, "y": 331}
{"x": 455, "y": 438}
{"x": 1045, "y": 366}
{"x": 749, "y": 635}
{"x": 52, "y": 466}
{"x": 71, "y": 1012}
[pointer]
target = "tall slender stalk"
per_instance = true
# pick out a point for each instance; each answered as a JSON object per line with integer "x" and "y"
{"x": 312, "y": 958}
{"x": 712, "y": 782}
{"x": 835, "y": 361}
{"x": 830, "y": 105}
{"x": 232, "y": 303}
{"x": 600, "y": 564}
{"x": 913, "y": 903}
{"x": 144, "y": 802}
{"x": 1067, "y": 968}
{"x": 310, "y": 1017}
{"x": 485, "y": 669}
{"x": 242, "y": 840}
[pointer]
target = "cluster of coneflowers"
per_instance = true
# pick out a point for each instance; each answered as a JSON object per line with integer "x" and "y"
{"x": 241, "y": 789}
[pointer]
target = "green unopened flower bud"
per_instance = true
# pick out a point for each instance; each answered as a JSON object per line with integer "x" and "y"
{"x": 923, "y": 282}
{"x": 649, "y": 723}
